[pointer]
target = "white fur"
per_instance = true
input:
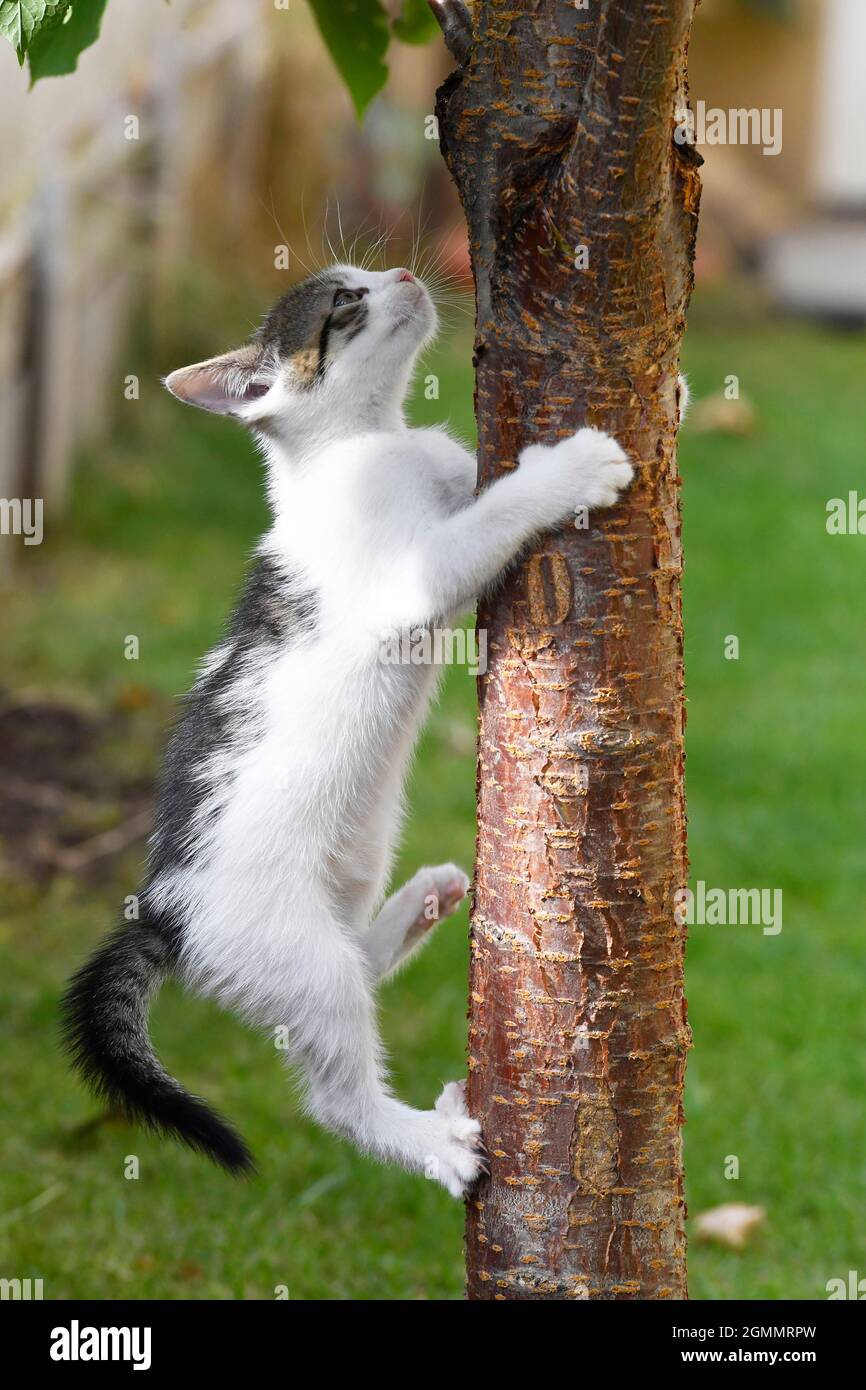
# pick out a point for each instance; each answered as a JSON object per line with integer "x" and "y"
{"x": 283, "y": 903}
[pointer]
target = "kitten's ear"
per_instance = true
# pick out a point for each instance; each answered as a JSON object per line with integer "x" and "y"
{"x": 221, "y": 384}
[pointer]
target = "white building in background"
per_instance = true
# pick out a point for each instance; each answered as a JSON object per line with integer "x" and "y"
{"x": 819, "y": 268}
{"x": 839, "y": 159}
{"x": 98, "y": 189}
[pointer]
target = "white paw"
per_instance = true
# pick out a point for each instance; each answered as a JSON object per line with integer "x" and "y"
{"x": 589, "y": 469}
{"x": 683, "y": 396}
{"x": 596, "y": 465}
{"x": 445, "y": 888}
{"x": 458, "y": 1158}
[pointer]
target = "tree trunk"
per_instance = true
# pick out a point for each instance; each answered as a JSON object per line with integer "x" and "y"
{"x": 558, "y": 129}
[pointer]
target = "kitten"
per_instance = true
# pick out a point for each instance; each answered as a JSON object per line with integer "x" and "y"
{"x": 281, "y": 797}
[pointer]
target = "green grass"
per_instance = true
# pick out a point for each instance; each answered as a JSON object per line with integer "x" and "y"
{"x": 154, "y": 545}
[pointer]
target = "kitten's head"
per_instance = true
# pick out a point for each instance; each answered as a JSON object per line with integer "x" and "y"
{"x": 345, "y": 339}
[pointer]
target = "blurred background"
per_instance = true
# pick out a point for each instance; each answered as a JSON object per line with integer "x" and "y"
{"x": 152, "y": 205}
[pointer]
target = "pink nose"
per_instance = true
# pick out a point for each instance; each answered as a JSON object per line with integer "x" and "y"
{"x": 405, "y": 275}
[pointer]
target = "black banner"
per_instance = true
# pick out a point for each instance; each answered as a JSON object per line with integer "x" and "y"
{"x": 146, "y": 1338}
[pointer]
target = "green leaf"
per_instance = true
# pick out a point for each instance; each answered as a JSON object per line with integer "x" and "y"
{"x": 22, "y": 20}
{"x": 56, "y": 50}
{"x": 357, "y": 35}
{"x": 416, "y": 23}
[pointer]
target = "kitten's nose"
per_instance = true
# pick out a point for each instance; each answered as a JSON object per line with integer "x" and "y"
{"x": 405, "y": 275}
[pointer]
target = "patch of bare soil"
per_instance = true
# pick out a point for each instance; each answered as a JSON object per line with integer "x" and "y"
{"x": 75, "y": 788}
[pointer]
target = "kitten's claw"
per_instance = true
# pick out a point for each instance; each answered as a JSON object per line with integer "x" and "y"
{"x": 460, "y": 1159}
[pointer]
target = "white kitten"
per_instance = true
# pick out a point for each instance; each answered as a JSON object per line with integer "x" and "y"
{"x": 280, "y": 802}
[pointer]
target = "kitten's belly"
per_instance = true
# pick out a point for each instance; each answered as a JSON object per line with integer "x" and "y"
{"x": 306, "y": 823}
{"x": 336, "y": 742}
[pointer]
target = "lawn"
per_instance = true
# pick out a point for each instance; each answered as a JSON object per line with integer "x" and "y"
{"x": 153, "y": 546}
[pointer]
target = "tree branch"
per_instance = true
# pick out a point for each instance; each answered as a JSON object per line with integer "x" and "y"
{"x": 455, "y": 21}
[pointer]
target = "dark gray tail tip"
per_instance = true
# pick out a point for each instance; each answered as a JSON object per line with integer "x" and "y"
{"x": 181, "y": 1116}
{"x": 188, "y": 1120}
{"x": 234, "y": 1157}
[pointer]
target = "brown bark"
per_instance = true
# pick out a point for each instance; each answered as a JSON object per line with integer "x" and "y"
{"x": 558, "y": 129}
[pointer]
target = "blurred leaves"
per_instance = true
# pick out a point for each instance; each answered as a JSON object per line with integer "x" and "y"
{"x": 51, "y": 33}
{"x": 416, "y": 23}
{"x": 54, "y": 33}
{"x": 775, "y": 9}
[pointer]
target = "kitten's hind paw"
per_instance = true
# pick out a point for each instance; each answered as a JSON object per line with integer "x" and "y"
{"x": 449, "y": 887}
{"x": 461, "y": 1159}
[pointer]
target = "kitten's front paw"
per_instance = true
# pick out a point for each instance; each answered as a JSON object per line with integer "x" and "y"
{"x": 589, "y": 469}
{"x": 684, "y": 395}
{"x": 596, "y": 466}
{"x": 460, "y": 1157}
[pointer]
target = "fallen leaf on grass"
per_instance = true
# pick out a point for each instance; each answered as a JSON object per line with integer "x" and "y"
{"x": 718, "y": 415}
{"x": 729, "y": 1225}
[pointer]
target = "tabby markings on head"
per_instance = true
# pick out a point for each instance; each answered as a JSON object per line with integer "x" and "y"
{"x": 303, "y": 326}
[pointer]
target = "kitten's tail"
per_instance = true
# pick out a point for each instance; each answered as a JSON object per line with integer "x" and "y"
{"x": 105, "y": 1025}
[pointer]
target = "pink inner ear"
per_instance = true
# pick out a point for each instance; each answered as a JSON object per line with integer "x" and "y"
{"x": 198, "y": 386}
{"x": 206, "y": 383}
{"x": 255, "y": 390}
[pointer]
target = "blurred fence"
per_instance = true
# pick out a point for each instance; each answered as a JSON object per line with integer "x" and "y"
{"x": 96, "y": 214}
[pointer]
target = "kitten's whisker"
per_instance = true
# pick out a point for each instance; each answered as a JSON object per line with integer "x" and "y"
{"x": 422, "y": 232}
{"x": 310, "y": 251}
{"x": 293, "y": 254}
{"x": 359, "y": 234}
{"x": 326, "y": 235}
{"x": 436, "y": 260}
{"x": 356, "y": 238}
{"x": 433, "y": 272}
{"x": 418, "y": 234}
{"x": 377, "y": 248}
{"x": 340, "y": 230}
{"x": 452, "y": 300}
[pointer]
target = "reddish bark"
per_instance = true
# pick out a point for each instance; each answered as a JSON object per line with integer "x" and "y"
{"x": 558, "y": 129}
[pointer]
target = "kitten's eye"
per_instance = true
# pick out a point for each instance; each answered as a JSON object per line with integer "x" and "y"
{"x": 346, "y": 297}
